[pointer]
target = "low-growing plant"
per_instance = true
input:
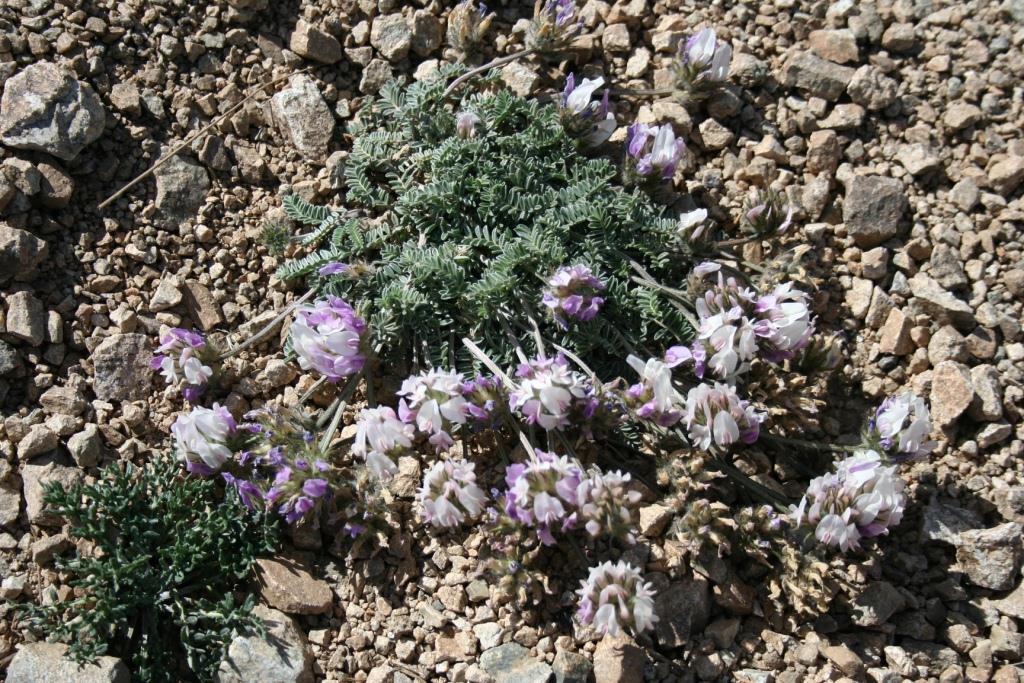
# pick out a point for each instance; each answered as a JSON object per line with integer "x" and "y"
{"x": 154, "y": 581}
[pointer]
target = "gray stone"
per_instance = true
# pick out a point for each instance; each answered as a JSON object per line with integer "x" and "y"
{"x": 944, "y": 523}
{"x": 571, "y": 667}
{"x": 47, "y": 109}
{"x": 952, "y": 392}
{"x": 9, "y": 360}
{"x": 392, "y": 37}
{"x": 988, "y": 393}
{"x": 26, "y": 318}
{"x": 287, "y": 585}
{"x": 1007, "y": 644}
{"x": 1013, "y": 604}
{"x": 86, "y": 446}
{"x": 520, "y": 79}
{"x": 202, "y": 307}
{"x": 48, "y": 547}
{"x": 947, "y": 344}
{"x": 876, "y": 603}
{"x": 899, "y": 37}
{"x": 817, "y": 76}
{"x": 513, "y": 663}
{"x": 55, "y": 186}
{"x": 41, "y": 662}
{"x": 34, "y": 477}
{"x": 919, "y": 158}
{"x": 682, "y": 611}
{"x": 39, "y": 440}
{"x": 375, "y": 74}
{"x": 895, "y": 334}
{"x": 126, "y": 99}
{"x": 121, "y": 368}
{"x": 947, "y": 267}
{"x": 993, "y": 433}
{"x": 21, "y": 252}
{"x": 167, "y": 295}
{"x": 10, "y": 505}
{"x": 1006, "y": 175}
{"x": 282, "y": 656}
{"x": 965, "y": 194}
{"x": 427, "y": 33}
{"x": 872, "y": 89}
{"x": 961, "y": 115}
{"x": 873, "y": 209}
{"x": 181, "y": 187}
{"x": 310, "y": 42}
{"x": 64, "y": 400}
{"x": 990, "y": 558}
{"x": 931, "y": 299}
{"x": 303, "y": 116}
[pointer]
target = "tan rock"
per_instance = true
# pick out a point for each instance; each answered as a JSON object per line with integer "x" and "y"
{"x": 952, "y": 392}
{"x": 288, "y": 586}
{"x": 895, "y": 334}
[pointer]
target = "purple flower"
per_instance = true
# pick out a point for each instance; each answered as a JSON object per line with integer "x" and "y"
{"x": 901, "y": 426}
{"x": 449, "y": 494}
{"x": 434, "y": 402}
{"x": 548, "y": 391}
{"x": 250, "y": 494}
{"x": 589, "y": 120}
{"x": 327, "y": 337}
{"x": 465, "y": 124}
{"x": 715, "y": 415}
{"x": 333, "y": 268}
{"x": 315, "y": 488}
{"x": 614, "y": 596}
{"x": 542, "y": 492}
{"x": 201, "y": 436}
{"x": 179, "y": 358}
{"x": 784, "y": 325}
{"x": 572, "y": 294}
{"x": 654, "y": 398}
{"x": 657, "y": 159}
{"x": 706, "y": 56}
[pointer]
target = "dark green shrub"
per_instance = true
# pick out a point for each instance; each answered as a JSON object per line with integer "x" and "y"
{"x": 458, "y": 235}
{"x": 157, "y": 590}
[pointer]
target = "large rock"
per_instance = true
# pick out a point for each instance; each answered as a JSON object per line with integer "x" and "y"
{"x": 876, "y": 603}
{"x": 872, "y": 88}
{"x": 930, "y": 298}
{"x": 289, "y": 587}
{"x": 952, "y": 392}
{"x": 181, "y": 187}
{"x": 682, "y": 611}
{"x": 282, "y": 656}
{"x": 991, "y": 557}
{"x": 45, "y": 108}
{"x": 35, "y": 477}
{"x": 873, "y": 209}
{"x": 513, "y": 663}
{"x": 121, "y": 368}
{"x": 43, "y": 662}
{"x": 26, "y": 318}
{"x": 21, "y": 252}
{"x": 303, "y": 116}
{"x": 391, "y": 36}
{"x": 10, "y": 505}
{"x": 619, "y": 660}
{"x": 817, "y": 76}
{"x": 310, "y": 42}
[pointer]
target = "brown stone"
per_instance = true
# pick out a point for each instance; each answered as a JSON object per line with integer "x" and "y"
{"x": 895, "y": 335}
{"x": 287, "y": 585}
{"x": 952, "y": 392}
{"x": 202, "y": 307}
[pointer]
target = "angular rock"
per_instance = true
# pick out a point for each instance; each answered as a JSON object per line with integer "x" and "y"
{"x": 876, "y": 603}
{"x": 375, "y": 74}
{"x": 288, "y": 586}
{"x": 282, "y": 656}
{"x": 427, "y": 33}
{"x": 1013, "y": 604}
{"x": 1006, "y": 175}
{"x": 871, "y": 88}
{"x": 944, "y": 523}
{"x": 947, "y": 344}
{"x": 513, "y": 663}
{"x": 618, "y": 659}
{"x": 10, "y": 505}
{"x": 682, "y": 611}
{"x": 39, "y": 662}
{"x": 933, "y": 300}
{"x": 873, "y": 209}
{"x": 34, "y": 477}
{"x": 952, "y": 392}
{"x": 121, "y": 369}
{"x": 653, "y": 519}
{"x": 947, "y": 267}
{"x": 26, "y": 318}
{"x": 21, "y": 252}
{"x": 520, "y": 79}
{"x": 167, "y": 295}
{"x": 47, "y": 109}
{"x": 991, "y": 558}
{"x": 39, "y": 440}
{"x": 839, "y": 45}
{"x": 895, "y": 334}
{"x": 988, "y": 393}
{"x": 55, "y": 186}
{"x": 392, "y": 37}
{"x": 571, "y": 667}
{"x": 310, "y": 42}
{"x": 918, "y": 158}
{"x": 965, "y": 194}
{"x": 65, "y": 400}
{"x": 202, "y": 307}
{"x": 86, "y": 446}
{"x": 961, "y": 115}
{"x": 181, "y": 187}
{"x": 126, "y": 99}
{"x": 845, "y": 659}
{"x": 899, "y": 37}
{"x": 48, "y": 547}
{"x": 817, "y": 76}
{"x": 303, "y": 116}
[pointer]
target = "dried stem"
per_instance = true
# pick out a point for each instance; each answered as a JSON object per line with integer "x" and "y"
{"x": 268, "y": 328}
{"x": 501, "y": 61}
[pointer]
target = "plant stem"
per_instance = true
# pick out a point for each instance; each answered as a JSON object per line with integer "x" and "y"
{"x": 341, "y": 402}
{"x": 815, "y": 445}
{"x": 312, "y": 390}
{"x": 268, "y": 328}
{"x": 501, "y": 61}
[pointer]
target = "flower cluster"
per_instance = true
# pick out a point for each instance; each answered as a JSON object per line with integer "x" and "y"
{"x": 615, "y": 597}
{"x": 766, "y": 216}
{"x": 549, "y": 393}
{"x": 573, "y": 294}
{"x": 861, "y": 499}
{"x": 485, "y": 398}
{"x": 467, "y": 25}
{"x": 182, "y": 359}
{"x": 202, "y": 438}
{"x": 652, "y": 152}
{"x": 434, "y": 402}
{"x": 542, "y": 493}
{"x": 465, "y": 124}
{"x": 702, "y": 65}
{"x": 380, "y": 438}
{"x": 584, "y": 118}
{"x": 715, "y": 414}
{"x": 900, "y": 427}
{"x": 327, "y": 337}
{"x": 449, "y": 494}
{"x": 555, "y": 23}
{"x": 654, "y": 398}
{"x": 604, "y": 505}
{"x": 735, "y": 324}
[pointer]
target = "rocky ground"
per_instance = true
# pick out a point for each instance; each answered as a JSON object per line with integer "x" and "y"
{"x": 894, "y": 127}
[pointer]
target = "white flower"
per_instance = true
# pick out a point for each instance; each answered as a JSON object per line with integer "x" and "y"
{"x": 657, "y": 398}
{"x": 784, "y": 324}
{"x": 578, "y": 99}
{"x": 327, "y": 337}
{"x": 716, "y": 415}
{"x": 380, "y": 437}
{"x": 903, "y": 424}
{"x": 547, "y": 391}
{"x": 201, "y": 435}
{"x": 604, "y": 502}
{"x": 691, "y": 224}
{"x": 449, "y": 494}
{"x": 465, "y": 124}
{"x": 433, "y": 400}
{"x": 613, "y": 597}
